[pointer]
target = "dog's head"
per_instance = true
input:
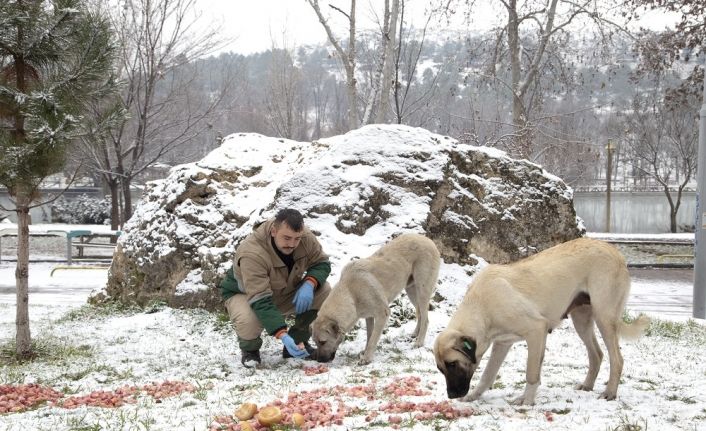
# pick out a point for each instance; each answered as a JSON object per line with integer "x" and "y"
{"x": 455, "y": 356}
{"x": 327, "y": 335}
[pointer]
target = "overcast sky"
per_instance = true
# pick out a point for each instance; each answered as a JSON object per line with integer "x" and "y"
{"x": 255, "y": 25}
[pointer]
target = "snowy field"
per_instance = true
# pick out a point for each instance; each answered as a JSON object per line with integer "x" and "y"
{"x": 192, "y": 357}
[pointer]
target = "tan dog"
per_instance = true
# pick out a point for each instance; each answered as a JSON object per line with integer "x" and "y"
{"x": 584, "y": 278}
{"x": 367, "y": 286}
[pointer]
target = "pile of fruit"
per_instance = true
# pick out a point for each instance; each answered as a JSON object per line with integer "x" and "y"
{"x": 18, "y": 398}
{"x": 311, "y": 409}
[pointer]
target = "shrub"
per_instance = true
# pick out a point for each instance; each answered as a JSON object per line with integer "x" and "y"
{"x": 81, "y": 210}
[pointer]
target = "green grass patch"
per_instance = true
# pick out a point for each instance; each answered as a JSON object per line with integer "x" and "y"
{"x": 564, "y": 411}
{"x": 498, "y": 385}
{"x": 90, "y": 312}
{"x": 690, "y": 330}
{"x": 45, "y": 350}
{"x": 222, "y": 322}
{"x": 110, "y": 374}
{"x": 685, "y": 400}
{"x": 627, "y": 424}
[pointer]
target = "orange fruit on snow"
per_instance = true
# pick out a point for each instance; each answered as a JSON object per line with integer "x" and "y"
{"x": 245, "y": 411}
{"x": 269, "y": 416}
{"x": 298, "y": 419}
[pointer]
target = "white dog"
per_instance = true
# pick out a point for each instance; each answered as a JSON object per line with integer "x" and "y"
{"x": 584, "y": 278}
{"x": 366, "y": 288}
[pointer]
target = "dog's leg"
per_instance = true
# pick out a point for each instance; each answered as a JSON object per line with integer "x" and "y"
{"x": 536, "y": 342}
{"x": 497, "y": 356}
{"x": 416, "y": 294}
{"x": 382, "y": 314}
{"x": 609, "y": 332}
{"x": 422, "y": 323}
{"x": 583, "y": 322}
{"x": 411, "y": 290}
{"x": 420, "y": 291}
{"x": 369, "y": 322}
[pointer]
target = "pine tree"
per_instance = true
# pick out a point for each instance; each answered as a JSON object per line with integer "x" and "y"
{"x": 55, "y": 58}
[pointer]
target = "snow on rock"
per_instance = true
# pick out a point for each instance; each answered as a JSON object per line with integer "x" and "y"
{"x": 355, "y": 191}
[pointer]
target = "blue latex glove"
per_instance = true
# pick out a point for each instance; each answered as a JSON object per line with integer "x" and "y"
{"x": 292, "y": 347}
{"x": 304, "y": 297}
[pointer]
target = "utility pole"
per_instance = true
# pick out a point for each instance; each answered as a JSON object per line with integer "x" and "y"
{"x": 700, "y": 225}
{"x": 608, "y": 173}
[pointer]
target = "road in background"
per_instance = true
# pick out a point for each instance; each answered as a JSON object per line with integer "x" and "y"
{"x": 662, "y": 290}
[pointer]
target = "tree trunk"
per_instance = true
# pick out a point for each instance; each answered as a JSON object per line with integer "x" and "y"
{"x": 352, "y": 99}
{"x": 387, "y": 74}
{"x": 347, "y": 58}
{"x": 389, "y": 41}
{"x": 127, "y": 200}
{"x": 23, "y": 338}
{"x": 673, "y": 209}
{"x": 115, "y": 221}
{"x": 519, "y": 119}
{"x": 350, "y": 72}
{"x": 674, "y": 228}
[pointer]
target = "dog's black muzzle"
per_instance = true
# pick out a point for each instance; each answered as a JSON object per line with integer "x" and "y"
{"x": 458, "y": 381}
{"x": 457, "y": 388}
{"x": 325, "y": 356}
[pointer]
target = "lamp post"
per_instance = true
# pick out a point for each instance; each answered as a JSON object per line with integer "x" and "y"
{"x": 699, "y": 306}
{"x": 608, "y": 173}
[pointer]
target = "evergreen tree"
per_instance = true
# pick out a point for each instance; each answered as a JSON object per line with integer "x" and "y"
{"x": 55, "y": 58}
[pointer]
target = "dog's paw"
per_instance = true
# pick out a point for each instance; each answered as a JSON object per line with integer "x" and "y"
{"x": 472, "y": 396}
{"x": 607, "y": 395}
{"x": 364, "y": 360}
{"x": 582, "y": 387}
{"x": 522, "y": 401}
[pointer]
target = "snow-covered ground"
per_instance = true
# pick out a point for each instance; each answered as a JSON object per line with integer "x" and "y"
{"x": 662, "y": 387}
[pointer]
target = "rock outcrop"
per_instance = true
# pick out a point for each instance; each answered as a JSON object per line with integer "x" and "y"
{"x": 357, "y": 191}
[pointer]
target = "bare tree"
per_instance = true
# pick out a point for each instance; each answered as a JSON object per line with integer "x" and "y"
{"x": 382, "y": 78}
{"x": 407, "y": 57}
{"x": 389, "y": 49}
{"x": 663, "y": 140}
{"x": 158, "y": 39}
{"x": 286, "y": 112}
{"x": 347, "y": 56}
{"x": 318, "y": 84}
{"x": 523, "y": 46}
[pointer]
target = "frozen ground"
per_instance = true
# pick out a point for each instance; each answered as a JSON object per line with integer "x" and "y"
{"x": 661, "y": 388}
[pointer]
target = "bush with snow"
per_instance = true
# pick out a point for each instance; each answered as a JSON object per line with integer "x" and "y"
{"x": 82, "y": 210}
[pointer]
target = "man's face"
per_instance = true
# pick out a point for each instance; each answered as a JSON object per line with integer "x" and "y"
{"x": 286, "y": 239}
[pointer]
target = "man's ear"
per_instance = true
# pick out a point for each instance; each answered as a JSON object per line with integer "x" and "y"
{"x": 468, "y": 348}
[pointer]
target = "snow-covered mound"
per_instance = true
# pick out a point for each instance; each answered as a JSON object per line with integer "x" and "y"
{"x": 356, "y": 191}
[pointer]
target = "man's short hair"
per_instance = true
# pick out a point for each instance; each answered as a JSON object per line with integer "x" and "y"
{"x": 292, "y": 217}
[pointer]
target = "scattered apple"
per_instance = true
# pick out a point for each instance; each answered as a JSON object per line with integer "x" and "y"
{"x": 298, "y": 419}
{"x": 245, "y": 411}
{"x": 269, "y": 416}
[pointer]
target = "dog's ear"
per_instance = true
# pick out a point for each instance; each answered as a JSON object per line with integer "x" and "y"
{"x": 333, "y": 328}
{"x": 336, "y": 329}
{"x": 468, "y": 348}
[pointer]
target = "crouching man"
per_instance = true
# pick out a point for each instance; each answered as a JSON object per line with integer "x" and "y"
{"x": 279, "y": 269}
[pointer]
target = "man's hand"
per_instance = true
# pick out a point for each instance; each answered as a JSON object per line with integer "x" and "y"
{"x": 292, "y": 348}
{"x": 304, "y": 297}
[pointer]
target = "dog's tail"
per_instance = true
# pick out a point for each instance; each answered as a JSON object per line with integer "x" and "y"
{"x": 634, "y": 329}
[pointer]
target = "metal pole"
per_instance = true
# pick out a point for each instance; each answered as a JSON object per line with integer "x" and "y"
{"x": 700, "y": 235}
{"x": 608, "y": 173}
